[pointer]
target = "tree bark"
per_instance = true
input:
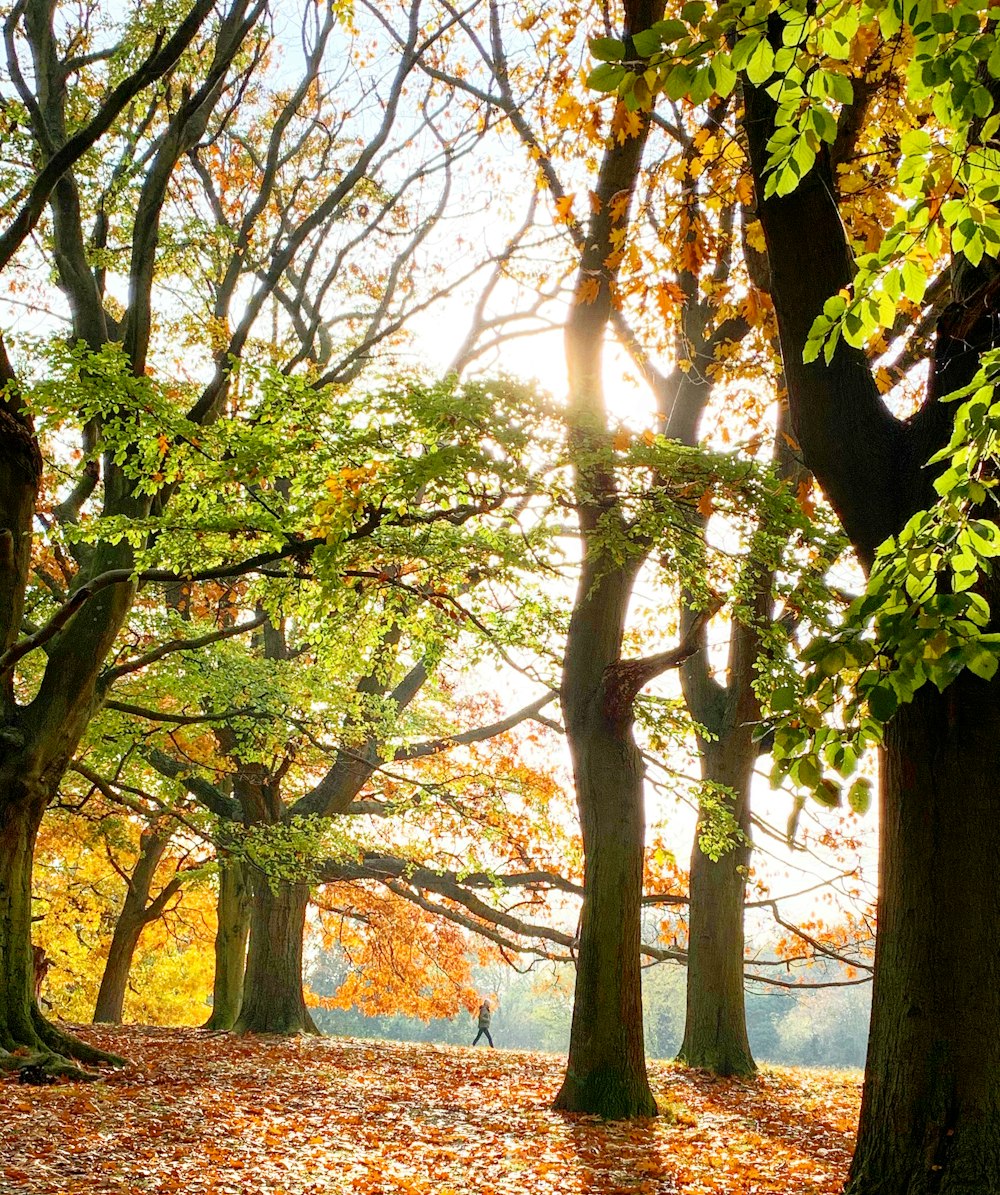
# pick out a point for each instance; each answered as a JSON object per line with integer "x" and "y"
{"x": 22, "y": 1026}
{"x": 230, "y": 944}
{"x": 135, "y": 915}
{"x": 272, "y": 1000}
{"x": 606, "y": 1069}
{"x": 715, "y": 1028}
{"x": 111, "y": 996}
{"x": 930, "y": 1117}
{"x": 18, "y": 828}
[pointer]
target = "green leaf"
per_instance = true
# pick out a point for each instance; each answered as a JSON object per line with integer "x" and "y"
{"x": 608, "y": 49}
{"x": 606, "y": 77}
{"x": 743, "y": 50}
{"x": 694, "y": 12}
{"x": 983, "y": 663}
{"x": 646, "y": 43}
{"x": 760, "y": 68}
{"x": 721, "y": 75}
{"x": 882, "y": 701}
{"x": 859, "y": 795}
{"x": 827, "y": 792}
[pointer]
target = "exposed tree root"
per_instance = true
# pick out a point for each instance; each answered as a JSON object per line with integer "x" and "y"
{"x": 59, "y": 1042}
{"x": 43, "y": 1053}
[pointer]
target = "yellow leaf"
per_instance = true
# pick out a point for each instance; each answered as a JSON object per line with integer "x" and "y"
{"x": 625, "y": 124}
{"x": 744, "y": 190}
{"x": 618, "y": 208}
{"x": 622, "y": 439}
{"x": 587, "y": 291}
{"x": 883, "y": 380}
{"x": 564, "y": 209}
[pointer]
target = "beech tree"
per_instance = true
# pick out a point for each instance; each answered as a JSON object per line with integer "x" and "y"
{"x": 678, "y": 164}
{"x": 929, "y": 1118}
{"x": 155, "y": 448}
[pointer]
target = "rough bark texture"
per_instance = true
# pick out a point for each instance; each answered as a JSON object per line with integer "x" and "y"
{"x": 230, "y": 944}
{"x": 110, "y": 1002}
{"x": 272, "y": 999}
{"x": 930, "y": 1118}
{"x": 606, "y": 1069}
{"x": 17, "y": 837}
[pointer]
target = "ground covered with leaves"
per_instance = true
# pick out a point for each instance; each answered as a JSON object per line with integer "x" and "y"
{"x": 199, "y": 1113}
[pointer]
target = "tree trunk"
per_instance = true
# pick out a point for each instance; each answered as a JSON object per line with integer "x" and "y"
{"x": 606, "y": 1069}
{"x": 22, "y": 1027}
{"x": 606, "y": 1072}
{"x": 18, "y": 828}
{"x": 930, "y": 1117}
{"x": 715, "y": 1029}
{"x": 230, "y": 944}
{"x": 136, "y": 913}
{"x": 111, "y": 997}
{"x": 272, "y": 995}
{"x": 930, "y": 1114}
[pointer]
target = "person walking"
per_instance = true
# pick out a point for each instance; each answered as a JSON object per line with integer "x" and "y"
{"x": 485, "y": 1016}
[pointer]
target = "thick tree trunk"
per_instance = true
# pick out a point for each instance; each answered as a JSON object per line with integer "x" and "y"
{"x": 606, "y": 1072}
{"x": 18, "y": 828}
{"x": 272, "y": 994}
{"x": 606, "y": 1069}
{"x": 230, "y": 945}
{"x": 715, "y": 1029}
{"x": 22, "y": 1027}
{"x": 930, "y": 1117}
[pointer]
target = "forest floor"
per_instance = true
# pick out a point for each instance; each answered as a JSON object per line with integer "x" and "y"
{"x": 200, "y": 1113}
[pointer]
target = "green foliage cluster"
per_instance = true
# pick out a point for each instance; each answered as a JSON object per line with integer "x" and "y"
{"x": 924, "y": 618}
{"x": 799, "y": 52}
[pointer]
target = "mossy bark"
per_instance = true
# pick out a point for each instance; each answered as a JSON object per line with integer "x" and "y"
{"x": 715, "y": 1028}
{"x": 606, "y": 1068}
{"x": 22, "y": 1027}
{"x": 230, "y": 944}
{"x": 273, "y": 1001}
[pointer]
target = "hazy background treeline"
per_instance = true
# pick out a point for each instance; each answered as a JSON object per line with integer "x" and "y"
{"x": 804, "y": 1026}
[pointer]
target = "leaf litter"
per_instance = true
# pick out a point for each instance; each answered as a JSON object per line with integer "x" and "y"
{"x": 200, "y": 1113}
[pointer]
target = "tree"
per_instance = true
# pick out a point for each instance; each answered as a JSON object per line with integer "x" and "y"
{"x": 681, "y": 225}
{"x": 931, "y": 1112}
{"x": 145, "y": 436}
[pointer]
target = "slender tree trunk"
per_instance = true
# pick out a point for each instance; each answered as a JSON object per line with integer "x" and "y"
{"x": 930, "y": 1117}
{"x": 230, "y": 944}
{"x": 111, "y": 996}
{"x": 272, "y": 995}
{"x": 715, "y": 1029}
{"x": 136, "y": 913}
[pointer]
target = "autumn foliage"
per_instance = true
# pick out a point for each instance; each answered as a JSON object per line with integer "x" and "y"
{"x": 198, "y": 1115}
